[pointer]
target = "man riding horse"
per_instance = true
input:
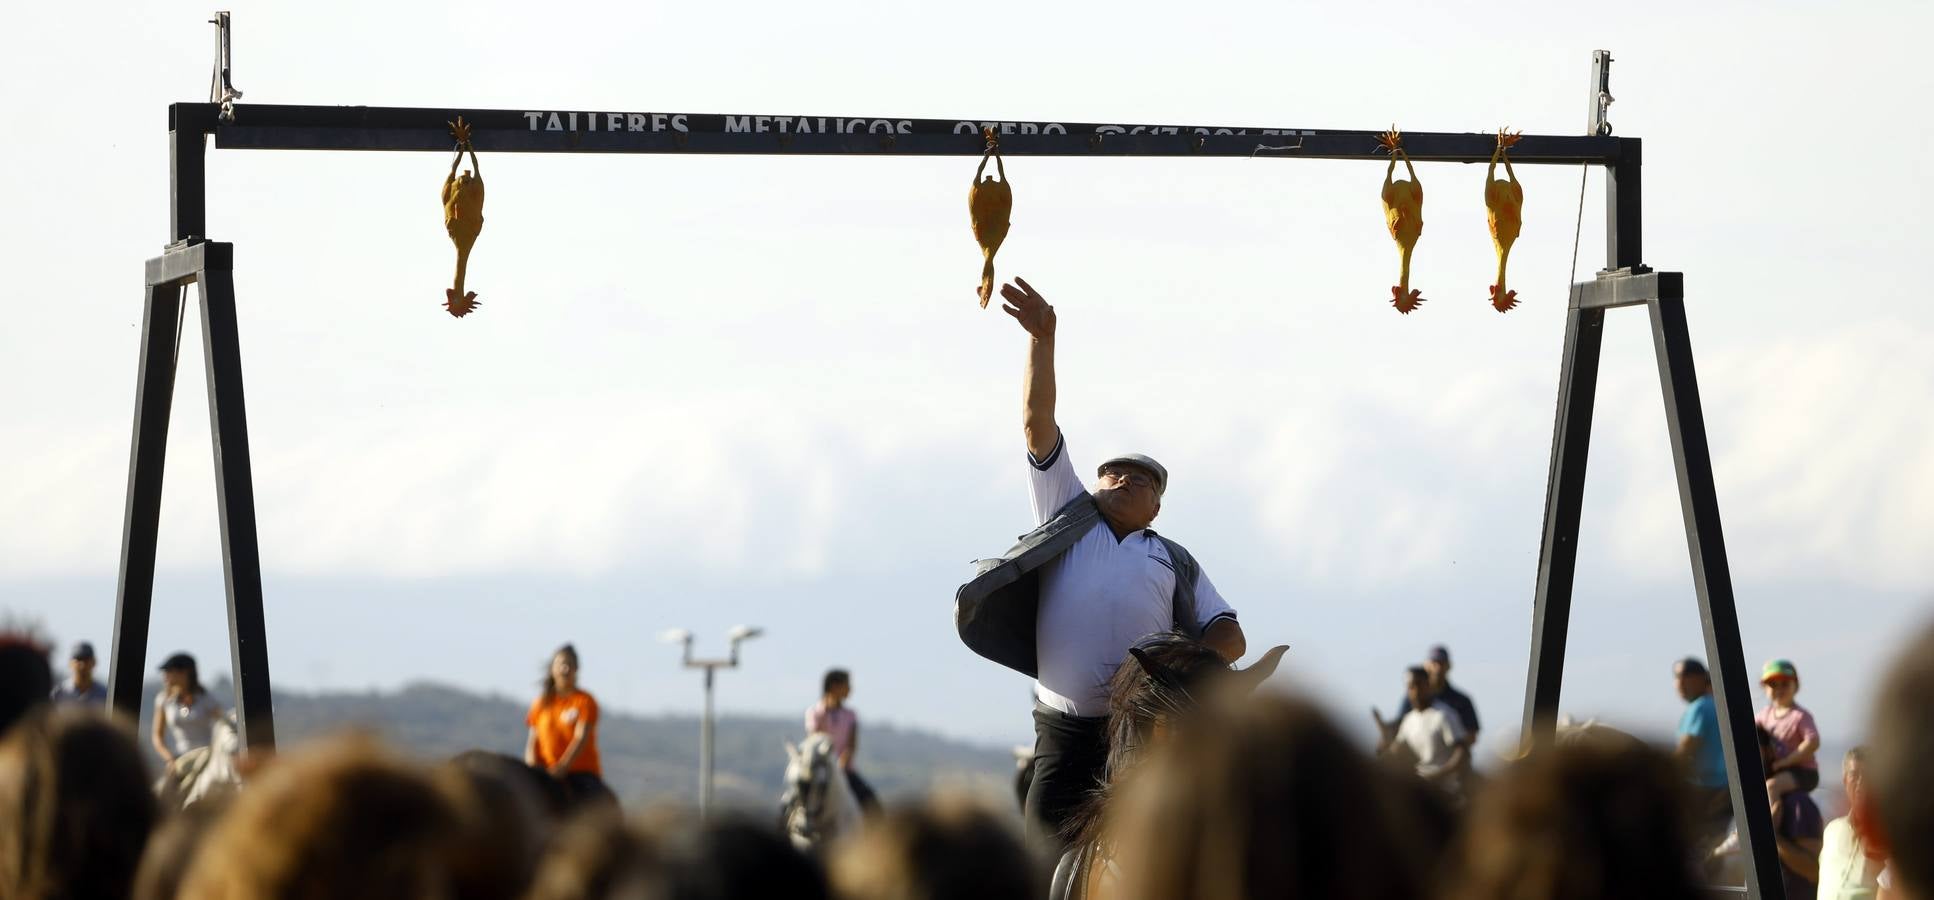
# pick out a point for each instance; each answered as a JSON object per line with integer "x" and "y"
{"x": 1066, "y": 603}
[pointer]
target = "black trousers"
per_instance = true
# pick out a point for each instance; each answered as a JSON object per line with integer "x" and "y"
{"x": 862, "y": 792}
{"x": 1070, "y": 757}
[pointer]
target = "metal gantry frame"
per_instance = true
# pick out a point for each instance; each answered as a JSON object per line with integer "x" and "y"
{"x": 1626, "y": 281}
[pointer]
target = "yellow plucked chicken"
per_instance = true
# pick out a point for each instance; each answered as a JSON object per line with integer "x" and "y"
{"x": 1504, "y": 204}
{"x": 991, "y": 203}
{"x": 463, "y": 199}
{"x": 1403, "y": 211}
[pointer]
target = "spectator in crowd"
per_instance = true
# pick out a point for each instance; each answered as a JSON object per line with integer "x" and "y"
{"x": 82, "y": 688}
{"x": 26, "y": 680}
{"x": 1266, "y": 798}
{"x": 173, "y": 846}
{"x": 564, "y": 732}
{"x": 1794, "y": 732}
{"x": 75, "y": 809}
{"x": 731, "y": 858}
{"x": 1900, "y": 779}
{"x": 503, "y": 823}
{"x": 340, "y": 819}
{"x": 600, "y": 856}
{"x": 1437, "y": 664}
{"x": 841, "y": 725}
{"x": 1699, "y": 752}
{"x": 1430, "y": 736}
{"x": 1847, "y": 870}
{"x": 949, "y": 848}
{"x": 184, "y": 713}
{"x": 1596, "y": 817}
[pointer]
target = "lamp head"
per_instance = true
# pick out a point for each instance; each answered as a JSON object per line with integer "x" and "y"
{"x": 676, "y": 636}
{"x": 744, "y": 633}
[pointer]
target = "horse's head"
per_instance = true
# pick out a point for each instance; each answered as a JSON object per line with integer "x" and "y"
{"x": 815, "y": 787}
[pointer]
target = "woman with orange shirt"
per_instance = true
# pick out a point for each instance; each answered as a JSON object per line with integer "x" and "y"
{"x": 564, "y": 732}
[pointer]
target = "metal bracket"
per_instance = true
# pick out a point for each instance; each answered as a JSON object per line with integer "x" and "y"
{"x": 1601, "y": 99}
{"x": 1635, "y": 286}
{"x": 221, "y": 89}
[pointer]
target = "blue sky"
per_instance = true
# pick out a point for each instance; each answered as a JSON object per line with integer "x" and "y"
{"x": 706, "y": 391}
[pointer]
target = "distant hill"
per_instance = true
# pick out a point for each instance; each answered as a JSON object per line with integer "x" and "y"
{"x": 647, "y": 759}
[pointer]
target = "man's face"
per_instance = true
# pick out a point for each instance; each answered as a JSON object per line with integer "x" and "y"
{"x": 1417, "y": 690}
{"x": 1779, "y": 690}
{"x": 842, "y": 690}
{"x": 1852, "y": 780}
{"x": 1438, "y": 671}
{"x": 1691, "y": 685}
{"x": 83, "y": 670}
{"x": 1126, "y": 495}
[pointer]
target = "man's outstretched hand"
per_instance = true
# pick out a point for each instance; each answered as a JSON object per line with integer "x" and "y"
{"x": 1025, "y": 304}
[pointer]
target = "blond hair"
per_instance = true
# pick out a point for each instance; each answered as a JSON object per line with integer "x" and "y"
{"x": 341, "y": 819}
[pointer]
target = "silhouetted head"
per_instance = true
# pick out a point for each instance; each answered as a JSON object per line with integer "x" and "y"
{"x": 1598, "y": 817}
{"x": 75, "y": 806}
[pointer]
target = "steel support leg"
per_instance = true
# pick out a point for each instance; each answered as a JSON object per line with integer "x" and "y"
{"x": 154, "y": 393}
{"x": 235, "y": 495}
{"x": 1712, "y": 580}
{"x": 1564, "y": 500}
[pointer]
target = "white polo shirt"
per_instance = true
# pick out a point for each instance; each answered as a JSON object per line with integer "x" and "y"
{"x": 1100, "y": 597}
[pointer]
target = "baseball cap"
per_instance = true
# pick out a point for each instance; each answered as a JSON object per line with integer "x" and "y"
{"x": 1691, "y": 666}
{"x": 1439, "y": 654}
{"x": 1778, "y": 668}
{"x": 1140, "y": 461}
{"x": 83, "y": 650}
{"x": 177, "y": 661}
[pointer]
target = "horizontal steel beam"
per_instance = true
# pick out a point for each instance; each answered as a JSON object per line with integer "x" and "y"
{"x": 267, "y": 127}
{"x": 184, "y": 263}
{"x": 1626, "y": 287}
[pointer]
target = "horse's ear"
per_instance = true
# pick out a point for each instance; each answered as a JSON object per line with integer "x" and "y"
{"x": 792, "y": 750}
{"x": 1262, "y": 668}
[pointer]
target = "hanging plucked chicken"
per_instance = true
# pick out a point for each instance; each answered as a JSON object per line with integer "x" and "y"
{"x": 1403, "y": 211}
{"x": 463, "y": 199}
{"x": 991, "y": 203}
{"x": 1504, "y": 204}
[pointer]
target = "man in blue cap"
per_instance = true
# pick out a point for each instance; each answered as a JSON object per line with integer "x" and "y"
{"x": 1068, "y": 601}
{"x": 82, "y": 688}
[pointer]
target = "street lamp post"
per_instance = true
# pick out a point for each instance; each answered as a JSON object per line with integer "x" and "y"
{"x": 738, "y": 635}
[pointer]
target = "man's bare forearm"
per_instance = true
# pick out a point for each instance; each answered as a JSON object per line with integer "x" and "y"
{"x": 1225, "y": 637}
{"x": 1037, "y": 398}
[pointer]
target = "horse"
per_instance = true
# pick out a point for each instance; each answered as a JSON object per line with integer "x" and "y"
{"x": 818, "y": 805}
{"x": 203, "y": 772}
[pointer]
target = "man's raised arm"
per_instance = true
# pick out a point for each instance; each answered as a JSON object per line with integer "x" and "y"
{"x": 1037, "y": 394}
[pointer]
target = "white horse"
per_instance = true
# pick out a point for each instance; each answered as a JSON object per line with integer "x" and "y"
{"x": 203, "y": 772}
{"x": 818, "y": 805}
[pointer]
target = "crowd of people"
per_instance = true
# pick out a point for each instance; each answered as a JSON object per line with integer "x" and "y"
{"x": 1212, "y": 788}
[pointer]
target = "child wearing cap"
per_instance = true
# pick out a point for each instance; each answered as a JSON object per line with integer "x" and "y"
{"x": 1792, "y": 727}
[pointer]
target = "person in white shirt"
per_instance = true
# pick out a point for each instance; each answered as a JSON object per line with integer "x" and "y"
{"x": 1846, "y": 872}
{"x": 1107, "y": 591}
{"x": 184, "y": 714}
{"x": 1431, "y": 735}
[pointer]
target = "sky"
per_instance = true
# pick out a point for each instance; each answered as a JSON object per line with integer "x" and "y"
{"x": 706, "y": 391}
